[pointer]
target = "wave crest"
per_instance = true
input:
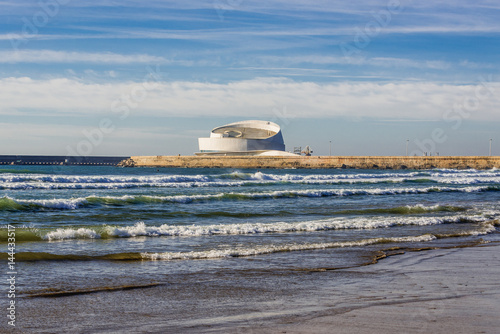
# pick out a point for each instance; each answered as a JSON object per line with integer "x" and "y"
{"x": 240, "y": 252}
{"x": 140, "y": 229}
{"x": 10, "y": 204}
{"x": 24, "y": 181}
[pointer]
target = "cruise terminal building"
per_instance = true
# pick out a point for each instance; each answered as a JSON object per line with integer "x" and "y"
{"x": 252, "y": 138}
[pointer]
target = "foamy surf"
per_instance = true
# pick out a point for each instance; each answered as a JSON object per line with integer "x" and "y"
{"x": 9, "y": 203}
{"x": 236, "y": 179}
{"x": 239, "y": 251}
{"x": 141, "y": 229}
{"x": 65, "y": 234}
{"x": 484, "y": 226}
{"x": 269, "y": 249}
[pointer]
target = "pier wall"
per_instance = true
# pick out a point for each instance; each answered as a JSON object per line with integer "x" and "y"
{"x": 59, "y": 160}
{"x": 346, "y": 162}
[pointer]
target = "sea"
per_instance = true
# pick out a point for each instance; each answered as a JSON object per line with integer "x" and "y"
{"x": 82, "y": 229}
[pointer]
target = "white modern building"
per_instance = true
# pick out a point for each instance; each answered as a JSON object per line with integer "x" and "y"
{"x": 244, "y": 138}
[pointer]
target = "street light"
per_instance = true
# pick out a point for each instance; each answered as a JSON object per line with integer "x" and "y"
{"x": 407, "y": 140}
{"x": 490, "y": 145}
{"x": 330, "y": 148}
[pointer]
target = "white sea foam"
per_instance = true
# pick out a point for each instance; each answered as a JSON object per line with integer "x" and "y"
{"x": 103, "y": 178}
{"x": 483, "y": 230}
{"x": 125, "y": 185}
{"x": 269, "y": 249}
{"x": 117, "y": 185}
{"x": 75, "y": 203}
{"x": 61, "y": 204}
{"x": 43, "y": 181}
{"x": 141, "y": 229}
{"x": 69, "y": 233}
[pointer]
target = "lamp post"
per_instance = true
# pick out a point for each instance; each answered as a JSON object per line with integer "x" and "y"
{"x": 407, "y": 140}
{"x": 490, "y": 145}
{"x": 330, "y": 148}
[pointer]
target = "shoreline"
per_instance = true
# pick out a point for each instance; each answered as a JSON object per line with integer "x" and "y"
{"x": 439, "y": 290}
{"x": 315, "y": 162}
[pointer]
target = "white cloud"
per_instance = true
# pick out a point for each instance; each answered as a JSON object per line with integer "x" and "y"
{"x": 50, "y": 56}
{"x": 250, "y": 98}
{"x": 359, "y": 60}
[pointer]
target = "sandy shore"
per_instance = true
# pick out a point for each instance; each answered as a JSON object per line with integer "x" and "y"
{"x": 435, "y": 291}
{"x": 438, "y": 291}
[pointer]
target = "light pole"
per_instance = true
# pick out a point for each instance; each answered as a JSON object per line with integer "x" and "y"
{"x": 330, "y": 148}
{"x": 407, "y": 140}
{"x": 490, "y": 145}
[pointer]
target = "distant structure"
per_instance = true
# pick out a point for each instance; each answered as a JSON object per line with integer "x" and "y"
{"x": 244, "y": 138}
{"x": 59, "y": 160}
{"x": 307, "y": 151}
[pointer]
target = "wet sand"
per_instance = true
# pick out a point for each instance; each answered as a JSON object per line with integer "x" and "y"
{"x": 435, "y": 291}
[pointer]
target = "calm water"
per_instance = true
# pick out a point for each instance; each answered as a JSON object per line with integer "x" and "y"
{"x": 81, "y": 228}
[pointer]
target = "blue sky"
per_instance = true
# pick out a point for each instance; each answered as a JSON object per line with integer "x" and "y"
{"x": 149, "y": 78}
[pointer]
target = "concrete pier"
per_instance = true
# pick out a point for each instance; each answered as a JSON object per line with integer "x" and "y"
{"x": 59, "y": 160}
{"x": 315, "y": 162}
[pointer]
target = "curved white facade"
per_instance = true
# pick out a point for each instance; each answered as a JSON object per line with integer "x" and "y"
{"x": 246, "y": 137}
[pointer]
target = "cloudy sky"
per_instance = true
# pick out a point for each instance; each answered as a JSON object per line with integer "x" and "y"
{"x": 150, "y": 77}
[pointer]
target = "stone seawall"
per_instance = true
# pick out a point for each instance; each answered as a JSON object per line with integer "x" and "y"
{"x": 359, "y": 162}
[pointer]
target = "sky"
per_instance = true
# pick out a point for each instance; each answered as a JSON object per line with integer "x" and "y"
{"x": 124, "y": 78}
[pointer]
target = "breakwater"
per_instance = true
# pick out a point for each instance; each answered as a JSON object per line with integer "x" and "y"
{"x": 59, "y": 160}
{"x": 315, "y": 162}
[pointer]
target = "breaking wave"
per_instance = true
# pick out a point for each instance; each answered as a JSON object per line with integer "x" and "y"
{"x": 215, "y": 253}
{"x": 262, "y": 250}
{"x": 236, "y": 251}
{"x": 26, "y": 181}
{"x": 239, "y": 251}
{"x": 140, "y": 229}
{"x": 10, "y": 204}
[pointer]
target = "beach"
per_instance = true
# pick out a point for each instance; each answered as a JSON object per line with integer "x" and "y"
{"x": 433, "y": 291}
{"x": 437, "y": 291}
{"x": 171, "y": 250}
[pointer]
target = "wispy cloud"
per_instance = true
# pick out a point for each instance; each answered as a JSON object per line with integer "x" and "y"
{"x": 234, "y": 34}
{"x": 359, "y": 60}
{"x": 15, "y": 36}
{"x": 50, "y": 56}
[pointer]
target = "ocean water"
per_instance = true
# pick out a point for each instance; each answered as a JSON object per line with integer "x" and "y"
{"x": 93, "y": 228}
